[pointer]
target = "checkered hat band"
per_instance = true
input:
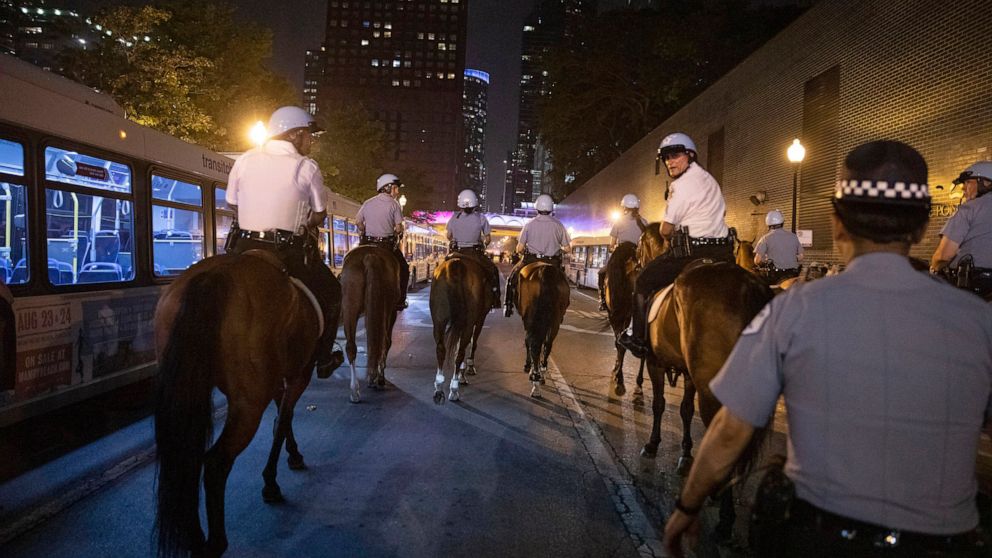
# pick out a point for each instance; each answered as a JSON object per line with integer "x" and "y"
{"x": 881, "y": 190}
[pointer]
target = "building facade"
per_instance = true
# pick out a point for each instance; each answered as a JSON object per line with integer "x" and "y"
{"x": 404, "y": 62}
{"x": 475, "y": 111}
{"x": 844, "y": 73}
{"x": 313, "y": 74}
{"x": 37, "y": 31}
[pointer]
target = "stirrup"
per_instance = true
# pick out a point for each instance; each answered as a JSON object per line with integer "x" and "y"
{"x": 636, "y": 346}
{"x": 403, "y": 305}
{"x": 508, "y": 310}
{"x": 326, "y": 369}
{"x": 602, "y": 306}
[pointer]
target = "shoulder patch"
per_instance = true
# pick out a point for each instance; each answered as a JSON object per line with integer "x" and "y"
{"x": 758, "y": 321}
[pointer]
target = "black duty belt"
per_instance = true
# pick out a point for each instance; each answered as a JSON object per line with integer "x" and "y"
{"x": 877, "y": 536}
{"x": 275, "y": 236}
{"x": 378, "y": 239}
{"x": 469, "y": 246}
{"x": 723, "y": 241}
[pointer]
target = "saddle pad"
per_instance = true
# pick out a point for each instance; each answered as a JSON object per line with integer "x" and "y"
{"x": 313, "y": 300}
{"x": 656, "y": 302}
{"x": 532, "y": 268}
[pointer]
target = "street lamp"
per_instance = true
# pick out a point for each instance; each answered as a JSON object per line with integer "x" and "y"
{"x": 258, "y": 133}
{"x": 796, "y": 154}
{"x": 402, "y": 201}
{"x": 615, "y": 215}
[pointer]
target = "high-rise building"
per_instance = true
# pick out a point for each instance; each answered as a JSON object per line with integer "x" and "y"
{"x": 474, "y": 114}
{"x": 313, "y": 73}
{"x": 405, "y": 62}
{"x": 38, "y": 32}
{"x": 546, "y": 26}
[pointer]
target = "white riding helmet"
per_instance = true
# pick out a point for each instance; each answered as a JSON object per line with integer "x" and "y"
{"x": 467, "y": 198}
{"x": 285, "y": 119}
{"x": 544, "y": 203}
{"x": 387, "y": 180}
{"x": 676, "y": 143}
{"x": 774, "y": 217}
{"x": 981, "y": 169}
{"x": 630, "y": 201}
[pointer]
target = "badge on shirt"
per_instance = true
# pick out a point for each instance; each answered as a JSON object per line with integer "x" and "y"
{"x": 758, "y": 321}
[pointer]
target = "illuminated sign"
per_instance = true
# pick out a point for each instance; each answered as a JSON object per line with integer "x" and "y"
{"x": 478, "y": 74}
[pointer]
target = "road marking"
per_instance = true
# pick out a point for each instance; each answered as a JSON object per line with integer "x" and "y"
{"x": 587, "y": 314}
{"x": 580, "y": 293}
{"x": 618, "y": 482}
{"x": 572, "y": 328}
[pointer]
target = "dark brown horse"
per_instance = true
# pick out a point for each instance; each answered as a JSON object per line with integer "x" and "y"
{"x": 542, "y": 298}
{"x": 696, "y": 328}
{"x": 618, "y": 285}
{"x": 460, "y": 302}
{"x": 238, "y": 323}
{"x": 370, "y": 283}
{"x": 8, "y": 340}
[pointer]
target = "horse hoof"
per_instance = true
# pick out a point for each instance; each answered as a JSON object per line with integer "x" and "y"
{"x": 471, "y": 371}
{"x": 649, "y": 452}
{"x": 685, "y": 463}
{"x": 639, "y": 391}
{"x": 355, "y": 397}
{"x": 535, "y": 390}
{"x": 272, "y": 495}
{"x": 296, "y": 463}
{"x": 620, "y": 390}
{"x": 454, "y": 395}
{"x": 439, "y": 397}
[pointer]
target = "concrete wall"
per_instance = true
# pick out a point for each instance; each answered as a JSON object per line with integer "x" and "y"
{"x": 910, "y": 70}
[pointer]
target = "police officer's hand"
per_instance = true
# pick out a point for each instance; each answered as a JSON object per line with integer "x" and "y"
{"x": 681, "y": 526}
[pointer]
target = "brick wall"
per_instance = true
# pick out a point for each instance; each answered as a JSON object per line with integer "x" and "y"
{"x": 910, "y": 70}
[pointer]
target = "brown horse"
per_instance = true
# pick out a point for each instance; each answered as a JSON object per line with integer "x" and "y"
{"x": 370, "y": 282}
{"x": 238, "y": 323}
{"x": 618, "y": 285}
{"x": 542, "y": 299}
{"x": 460, "y": 301}
{"x": 8, "y": 339}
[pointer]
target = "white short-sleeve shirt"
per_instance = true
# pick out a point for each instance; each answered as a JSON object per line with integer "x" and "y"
{"x": 275, "y": 187}
{"x": 696, "y": 202}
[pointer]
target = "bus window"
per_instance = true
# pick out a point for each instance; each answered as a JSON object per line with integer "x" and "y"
{"x": 223, "y": 218}
{"x": 70, "y": 167}
{"x": 13, "y": 207}
{"x": 340, "y": 240}
{"x": 89, "y": 238}
{"x": 324, "y": 241}
{"x": 11, "y": 158}
{"x": 352, "y": 234}
{"x": 177, "y": 228}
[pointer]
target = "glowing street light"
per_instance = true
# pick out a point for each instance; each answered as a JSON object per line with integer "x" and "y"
{"x": 615, "y": 215}
{"x": 402, "y": 200}
{"x": 258, "y": 133}
{"x": 796, "y": 153}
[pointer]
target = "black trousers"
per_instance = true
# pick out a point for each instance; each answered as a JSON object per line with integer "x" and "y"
{"x": 814, "y": 533}
{"x": 312, "y": 272}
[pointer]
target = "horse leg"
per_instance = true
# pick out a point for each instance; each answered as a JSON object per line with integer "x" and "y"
{"x": 639, "y": 390}
{"x": 295, "y": 458}
{"x": 471, "y": 370}
{"x": 351, "y": 349}
{"x": 458, "y": 375}
{"x": 283, "y": 425}
{"x": 387, "y": 344}
{"x": 686, "y": 410}
{"x": 242, "y": 422}
{"x": 534, "y": 365}
{"x": 650, "y": 449}
{"x": 618, "y": 386}
{"x": 441, "y": 355}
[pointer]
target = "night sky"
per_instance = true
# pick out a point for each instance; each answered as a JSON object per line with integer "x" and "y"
{"x": 494, "y": 34}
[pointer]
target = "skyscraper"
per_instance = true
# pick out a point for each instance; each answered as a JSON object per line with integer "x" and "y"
{"x": 404, "y": 61}
{"x": 546, "y": 26}
{"x": 474, "y": 114}
{"x": 313, "y": 73}
{"x": 35, "y": 32}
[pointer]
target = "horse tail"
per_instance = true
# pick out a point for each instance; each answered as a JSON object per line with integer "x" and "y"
{"x": 544, "y": 306}
{"x": 455, "y": 285}
{"x": 756, "y": 296}
{"x": 184, "y": 411}
{"x": 376, "y": 311}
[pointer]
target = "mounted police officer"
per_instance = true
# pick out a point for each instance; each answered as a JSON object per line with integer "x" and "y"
{"x": 280, "y": 199}
{"x": 380, "y": 223}
{"x": 883, "y": 426}
{"x": 779, "y": 249}
{"x": 694, "y": 218}
{"x": 624, "y": 235}
{"x": 966, "y": 240}
{"x": 545, "y": 238}
{"x": 469, "y": 233}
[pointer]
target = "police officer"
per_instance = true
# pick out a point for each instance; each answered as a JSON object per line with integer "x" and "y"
{"x": 696, "y": 208}
{"x": 778, "y": 248}
{"x": 969, "y": 233}
{"x": 469, "y": 233}
{"x": 279, "y": 196}
{"x": 543, "y": 237}
{"x": 380, "y": 223}
{"x": 883, "y": 427}
{"x": 624, "y": 235}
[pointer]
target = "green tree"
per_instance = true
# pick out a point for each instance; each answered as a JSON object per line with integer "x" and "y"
{"x": 350, "y": 151}
{"x": 186, "y": 68}
{"x": 624, "y": 72}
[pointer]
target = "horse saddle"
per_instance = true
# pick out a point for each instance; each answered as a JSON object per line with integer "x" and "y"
{"x": 657, "y": 301}
{"x": 273, "y": 260}
{"x": 531, "y": 268}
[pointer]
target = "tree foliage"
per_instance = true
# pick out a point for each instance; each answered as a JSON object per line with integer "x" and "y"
{"x": 199, "y": 76}
{"x": 624, "y": 72}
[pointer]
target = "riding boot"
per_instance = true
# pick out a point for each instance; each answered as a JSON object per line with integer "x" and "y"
{"x": 496, "y": 295}
{"x": 404, "y": 279}
{"x": 602, "y": 301}
{"x": 508, "y": 301}
{"x": 324, "y": 287}
{"x": 635, "y": 340}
